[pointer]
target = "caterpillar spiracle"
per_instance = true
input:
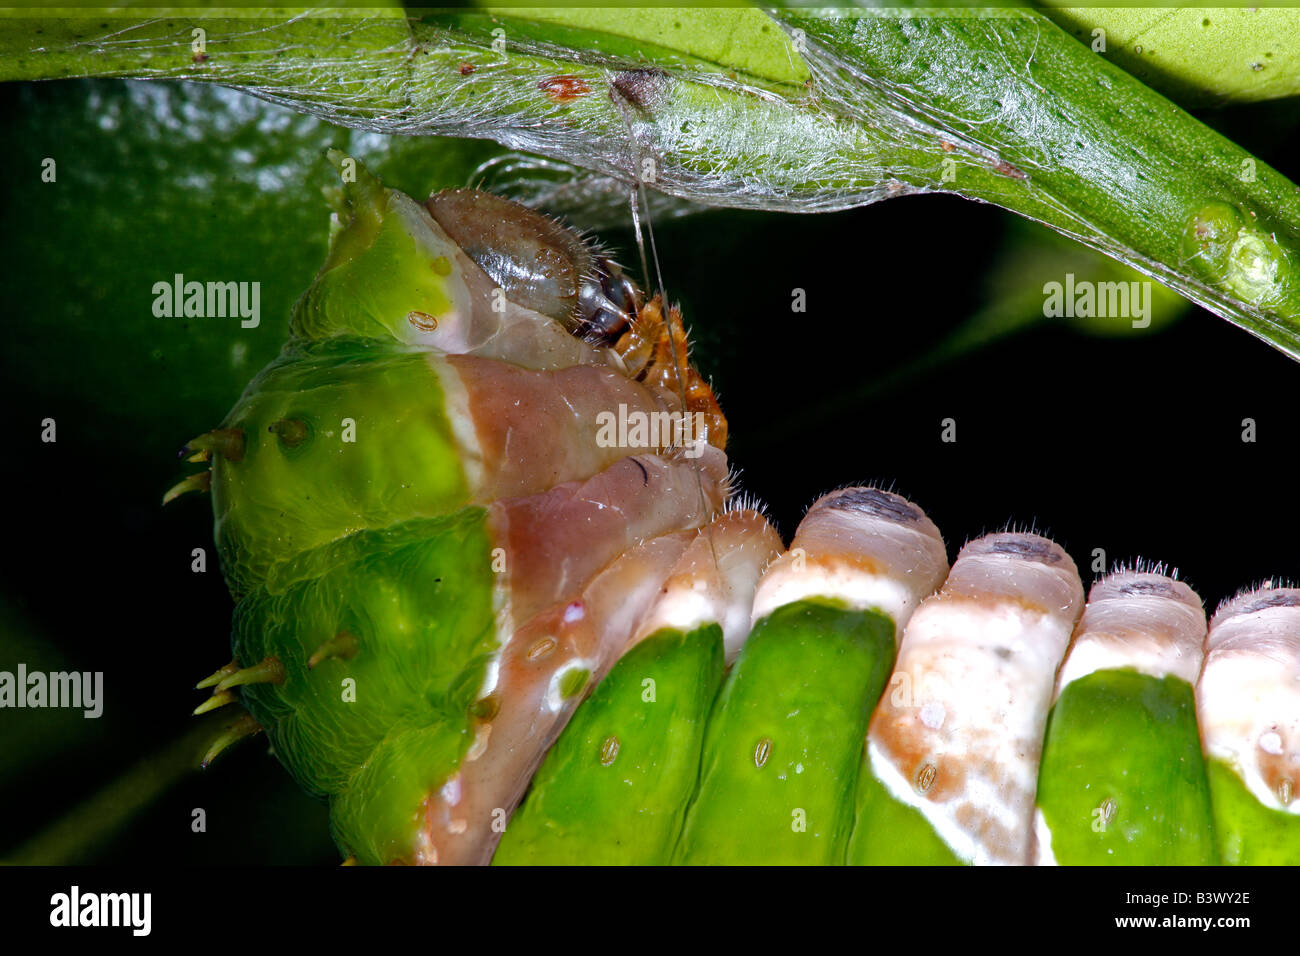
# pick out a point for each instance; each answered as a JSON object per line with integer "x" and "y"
{"x": 487, "y": 631}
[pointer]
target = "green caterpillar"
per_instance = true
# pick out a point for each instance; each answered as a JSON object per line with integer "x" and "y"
{"x": 497, "y": 602}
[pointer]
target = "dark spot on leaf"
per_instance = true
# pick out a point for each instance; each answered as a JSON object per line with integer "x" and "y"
{"x": 564, "y": 88}
{"x": 1003, "y": 168}
{"x": 644, "y": 89}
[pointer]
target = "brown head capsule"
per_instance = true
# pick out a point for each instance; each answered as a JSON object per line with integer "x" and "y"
{"x": 539, "y": 263}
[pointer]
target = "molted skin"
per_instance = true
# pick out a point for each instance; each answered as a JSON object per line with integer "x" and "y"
{"x": 958, "y": 734}
{"x": 538, "y": 262}
{"x": 1248, "y": 699}
{"x": 1122, "y": 781}
{"x": 435, "y": 556}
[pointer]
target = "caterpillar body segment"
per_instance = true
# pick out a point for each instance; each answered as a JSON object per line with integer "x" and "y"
{"x": 781, "y": 752}
{"x": 361, "y": 423}
{"x": 340, "y": 436}
{"x": 1248, "y": 700}
{"x": 553, "y": 540}
{"x": 383, "y": 433}
{"x": 1122, "y": 780}
{"x": 533, "y": 684}
{"x": 585, "y": 562}
{"x": 614, "y": 788}
{"x": 783, "y": 744}
{"x": 954, "y": 746}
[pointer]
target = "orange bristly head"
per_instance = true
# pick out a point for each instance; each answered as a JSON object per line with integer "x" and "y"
{"x": 655, "y": 351}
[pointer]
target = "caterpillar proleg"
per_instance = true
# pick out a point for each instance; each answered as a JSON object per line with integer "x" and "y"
{"x": 1248, "y": 699}
{"x": 954, "y": 746}
{"x": 1122, "y": 779}
{"x": 783, "y": 746}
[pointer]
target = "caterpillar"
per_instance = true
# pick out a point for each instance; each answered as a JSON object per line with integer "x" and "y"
{"x": 497, "y": 601}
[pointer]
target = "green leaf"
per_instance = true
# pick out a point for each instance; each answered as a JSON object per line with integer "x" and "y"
{"x": 744, "y": 40}
{"x": 1199, "y": 56}
{"x": 154, "y": 180}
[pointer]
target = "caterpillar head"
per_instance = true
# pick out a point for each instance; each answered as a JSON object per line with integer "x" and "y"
{"x": 540, "y": 263}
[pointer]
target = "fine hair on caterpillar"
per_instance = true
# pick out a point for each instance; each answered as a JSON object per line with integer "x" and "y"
{"x": 484, "y": 635}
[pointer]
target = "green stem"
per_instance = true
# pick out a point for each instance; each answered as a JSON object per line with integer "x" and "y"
{"x": 1077, "y": 144}
{"x": 74, "y": 836}
{"x": 1000, "y": 106}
